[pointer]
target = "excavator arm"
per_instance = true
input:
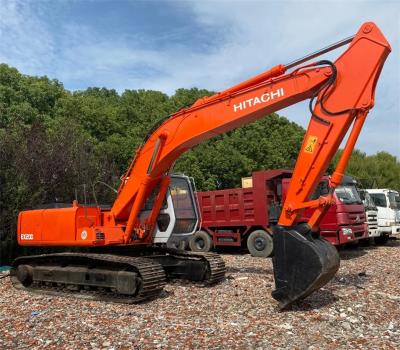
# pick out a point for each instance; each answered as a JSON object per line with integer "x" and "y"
{"x": 344, "y": 91}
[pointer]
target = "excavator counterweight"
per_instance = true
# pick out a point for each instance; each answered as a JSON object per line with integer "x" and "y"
{"x": 152, "y": 207}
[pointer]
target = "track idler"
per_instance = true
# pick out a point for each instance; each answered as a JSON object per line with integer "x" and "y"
{"x": 303, "y": 262}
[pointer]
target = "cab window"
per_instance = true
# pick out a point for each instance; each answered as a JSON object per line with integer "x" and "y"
{"x": 379, "y": 199}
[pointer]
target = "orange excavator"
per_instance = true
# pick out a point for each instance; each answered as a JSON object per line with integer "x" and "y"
{"x": 122, "y": 254}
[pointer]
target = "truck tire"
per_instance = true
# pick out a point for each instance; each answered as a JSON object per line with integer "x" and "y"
{"x": 177, "y": 244}
{"x": 381, "y": 240}
{"x": 260, "y": 244}
{"x": 200, "y": 242}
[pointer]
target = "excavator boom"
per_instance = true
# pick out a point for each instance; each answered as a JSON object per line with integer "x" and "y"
{"x": 343, "y": 92}
{"x": 348, "y": 86}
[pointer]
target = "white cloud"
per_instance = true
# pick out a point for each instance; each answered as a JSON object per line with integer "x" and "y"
{"x": 266, "y": 33}
{"x": 25, "y": 41}
{"x": 253, "y": 36}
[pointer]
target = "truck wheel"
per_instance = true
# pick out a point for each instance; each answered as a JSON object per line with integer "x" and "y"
{"x": 177, "y": 244}
{"x": 200, "y": 242}
{"x": 381, "y": 240}
{"x": 260, "y": 244}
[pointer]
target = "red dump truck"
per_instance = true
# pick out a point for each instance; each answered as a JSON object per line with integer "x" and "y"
{"x": 244, "y": 217}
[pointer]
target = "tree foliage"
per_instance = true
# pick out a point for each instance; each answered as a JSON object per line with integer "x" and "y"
{"x": 381, "y": 170}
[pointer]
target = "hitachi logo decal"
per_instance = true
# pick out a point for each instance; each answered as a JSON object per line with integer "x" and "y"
{"x": 264, "y": 98}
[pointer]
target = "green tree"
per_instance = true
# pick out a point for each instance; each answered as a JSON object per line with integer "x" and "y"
{"x": 381, "y": 170}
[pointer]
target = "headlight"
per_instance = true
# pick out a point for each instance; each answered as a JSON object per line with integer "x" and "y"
{"x": 347, "y": 231}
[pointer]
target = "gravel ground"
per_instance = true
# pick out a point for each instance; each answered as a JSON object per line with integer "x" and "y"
{"x": 359, "y": 308}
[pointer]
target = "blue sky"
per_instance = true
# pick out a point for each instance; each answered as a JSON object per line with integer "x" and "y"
{"x": 165, "y": 45}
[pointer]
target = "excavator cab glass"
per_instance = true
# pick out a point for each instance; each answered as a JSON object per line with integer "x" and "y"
{"x": 182, "y": 196}
{"x": 178, "y": 217}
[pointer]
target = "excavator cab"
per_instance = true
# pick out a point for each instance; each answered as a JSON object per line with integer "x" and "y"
{"x": 178, "y": 217}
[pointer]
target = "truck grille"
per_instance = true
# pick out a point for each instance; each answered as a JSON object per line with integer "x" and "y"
{"x": 372, "y": 220}
{"x": 357, "y": 218}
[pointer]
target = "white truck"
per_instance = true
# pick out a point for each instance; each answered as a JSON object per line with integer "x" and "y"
{"x": 371, "y": 212}
{"x": 388, "y": 204}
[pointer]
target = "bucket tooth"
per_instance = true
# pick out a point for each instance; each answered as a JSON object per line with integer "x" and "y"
{"x": 303, "y": 262}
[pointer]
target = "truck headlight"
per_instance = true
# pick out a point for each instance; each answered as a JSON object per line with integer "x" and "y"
{"x": 347, "y": 231}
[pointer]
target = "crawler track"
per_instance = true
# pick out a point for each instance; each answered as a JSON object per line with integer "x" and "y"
{"x": 113, "y": 277}
{"x": 150, "y": 276}
{"x": 213, "y": 263}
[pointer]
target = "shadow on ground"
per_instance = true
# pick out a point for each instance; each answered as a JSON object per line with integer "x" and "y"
{"x": 356, "y": 279}
{"x": 352, "y": 252}
{"x": 393, "y": 242}
{"x": 348, "y": 253}
{"x": 318, "y": 299}
{"x": 231, "y": 250}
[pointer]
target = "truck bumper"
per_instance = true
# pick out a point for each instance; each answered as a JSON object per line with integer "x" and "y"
{"x": 341, "y": 237}
{"x": 358, "y": 232}
{"x": 373, "y": 233}
{"x": 344, "y": 239}
{"x": 385, "y": 230}
{"x": 396, "y": 230}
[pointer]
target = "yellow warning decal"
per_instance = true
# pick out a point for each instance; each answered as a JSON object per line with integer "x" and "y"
{"x": 310, "y": 144}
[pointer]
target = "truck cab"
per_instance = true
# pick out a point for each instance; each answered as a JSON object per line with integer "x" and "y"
{"x": 345, "y": 221}
{"x": 388, "y": 204}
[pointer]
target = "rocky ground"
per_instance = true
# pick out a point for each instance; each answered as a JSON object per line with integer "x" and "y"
{"x": 359, "y": 308}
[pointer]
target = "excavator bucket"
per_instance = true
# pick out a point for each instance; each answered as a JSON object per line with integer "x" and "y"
{"x": 303, "y": 262}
